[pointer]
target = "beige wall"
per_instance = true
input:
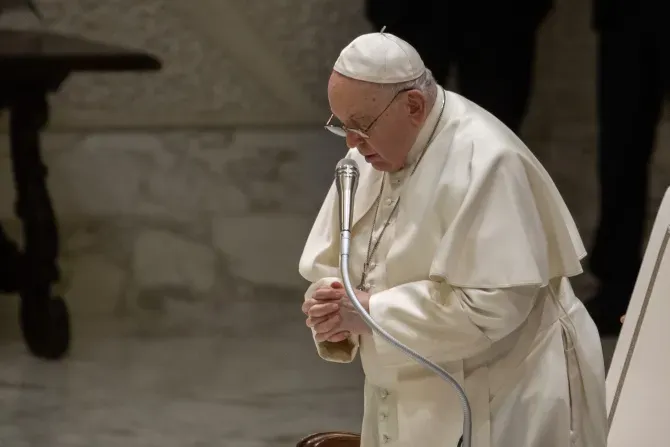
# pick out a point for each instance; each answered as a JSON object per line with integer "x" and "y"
{"x": 225, "y": 63}
{"x": 172, "y": 214}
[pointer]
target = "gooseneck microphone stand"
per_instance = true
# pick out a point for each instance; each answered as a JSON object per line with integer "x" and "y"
{"x": 346, "y": 179}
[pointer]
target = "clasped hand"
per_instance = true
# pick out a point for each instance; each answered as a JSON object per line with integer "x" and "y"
{"x": 332, "y": 316}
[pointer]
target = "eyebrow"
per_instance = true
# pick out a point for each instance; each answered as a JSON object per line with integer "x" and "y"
{"x": 357, "y": 119}
{"x": 354, "y": 120}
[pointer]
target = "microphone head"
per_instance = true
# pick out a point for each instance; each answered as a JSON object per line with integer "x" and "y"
{"x": 346, "y": 180}
{"x": 346, "y": 175}
{"x": 345, "y": 164}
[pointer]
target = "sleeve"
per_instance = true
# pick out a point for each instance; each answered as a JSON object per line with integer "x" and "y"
{"x": 319, "y": 264}
{"x": 444, "y": 323}
{"x": 341, "y": 352}
{"x": 320, "y": 256}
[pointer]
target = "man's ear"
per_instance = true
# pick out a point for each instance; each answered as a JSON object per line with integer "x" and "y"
{"x": 417, "y": 106}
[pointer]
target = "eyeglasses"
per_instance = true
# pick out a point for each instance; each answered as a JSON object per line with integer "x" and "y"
{"x": 342, "y": 130}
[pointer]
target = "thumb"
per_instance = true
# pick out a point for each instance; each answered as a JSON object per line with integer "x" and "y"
{"x": 337, "y": 285}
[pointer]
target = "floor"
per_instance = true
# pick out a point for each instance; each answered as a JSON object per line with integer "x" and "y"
{"x": 251, "y": 390}
{"x": 248, "y": 390}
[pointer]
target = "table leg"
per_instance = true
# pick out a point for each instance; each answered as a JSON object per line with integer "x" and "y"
{"x": 10, "y": 264}
{"x": 44, "y": 318}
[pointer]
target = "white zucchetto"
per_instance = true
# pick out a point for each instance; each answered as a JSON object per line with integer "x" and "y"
{"x": 380, "y": 58}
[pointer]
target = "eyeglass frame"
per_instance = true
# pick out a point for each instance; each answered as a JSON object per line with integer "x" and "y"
{"x": 342, "y": 130}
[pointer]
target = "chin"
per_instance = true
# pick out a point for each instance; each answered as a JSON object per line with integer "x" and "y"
{"x": 383, "y": 165}
{"x": 380, "y": 164}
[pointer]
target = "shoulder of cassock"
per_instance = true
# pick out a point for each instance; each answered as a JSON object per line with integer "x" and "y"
{"x": 505, "y": 223}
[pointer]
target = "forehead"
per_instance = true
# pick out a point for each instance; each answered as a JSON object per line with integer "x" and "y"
{"x": 350, "y": 98}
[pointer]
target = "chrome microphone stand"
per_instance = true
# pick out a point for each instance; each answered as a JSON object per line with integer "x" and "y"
{"x": 346, "y": 177}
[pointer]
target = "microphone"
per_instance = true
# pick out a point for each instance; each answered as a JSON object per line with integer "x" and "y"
{"x": 346, "y": 180}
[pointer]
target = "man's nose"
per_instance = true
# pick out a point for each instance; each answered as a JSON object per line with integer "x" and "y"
{"x": 353, "y": 140}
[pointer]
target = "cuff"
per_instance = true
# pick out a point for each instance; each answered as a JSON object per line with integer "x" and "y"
{"x": 341, "y": 352}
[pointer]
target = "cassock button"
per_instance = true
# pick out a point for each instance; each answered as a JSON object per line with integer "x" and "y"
{"x": 386, "y": 439}
{"x": 384, "y": 394}
{"x": 389, "y": 202}
{"x": 384, "y": 416}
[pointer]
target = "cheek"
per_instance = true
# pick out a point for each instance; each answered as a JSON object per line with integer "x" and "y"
{"x": 386, "y": 146}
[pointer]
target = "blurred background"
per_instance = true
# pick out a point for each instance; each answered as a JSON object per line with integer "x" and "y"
{"x": 183, "y": 198}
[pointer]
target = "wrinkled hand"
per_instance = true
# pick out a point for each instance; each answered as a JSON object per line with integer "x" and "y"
{"x": 322, "y": 313}
{"x": 332, "y": 316}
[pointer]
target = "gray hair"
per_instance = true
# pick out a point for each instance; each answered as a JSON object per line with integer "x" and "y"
{"x": 424, "y": 83}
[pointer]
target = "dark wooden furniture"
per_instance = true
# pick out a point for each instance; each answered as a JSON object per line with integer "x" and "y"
{"x": 34, "y": 65}
{"x": 331, "y": 439}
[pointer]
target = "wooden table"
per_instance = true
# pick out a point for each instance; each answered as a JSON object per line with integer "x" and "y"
{"x": 32, "y": 66}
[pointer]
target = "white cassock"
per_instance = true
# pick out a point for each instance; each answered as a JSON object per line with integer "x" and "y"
{"x": 472, "y": 274}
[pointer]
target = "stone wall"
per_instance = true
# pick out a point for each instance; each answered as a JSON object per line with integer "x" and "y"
{"x": 177, "y": 201}
{"x": 175, "y": 232}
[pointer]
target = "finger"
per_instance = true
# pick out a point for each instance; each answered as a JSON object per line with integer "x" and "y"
{"x": 325, "y": 336}
{"x": 340, "y": 336}
{"x": 337, "y": 285}
{"x": 327, "y": 294}
{"x": 322, "y": 309}
{"x": 308, "y": 304}
{"x": 313, "y": 321}
{"x": 325, "y": 327}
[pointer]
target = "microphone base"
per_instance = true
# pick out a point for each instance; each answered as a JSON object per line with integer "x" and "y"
{"x": 338, "y": 439}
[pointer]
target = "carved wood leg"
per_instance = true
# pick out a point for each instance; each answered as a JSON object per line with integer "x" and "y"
{"x": 10, "y": 264}
{"x": 44, "y": 319}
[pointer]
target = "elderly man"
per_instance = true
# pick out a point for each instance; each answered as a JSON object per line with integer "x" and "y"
{"x": 461, "y": 249}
